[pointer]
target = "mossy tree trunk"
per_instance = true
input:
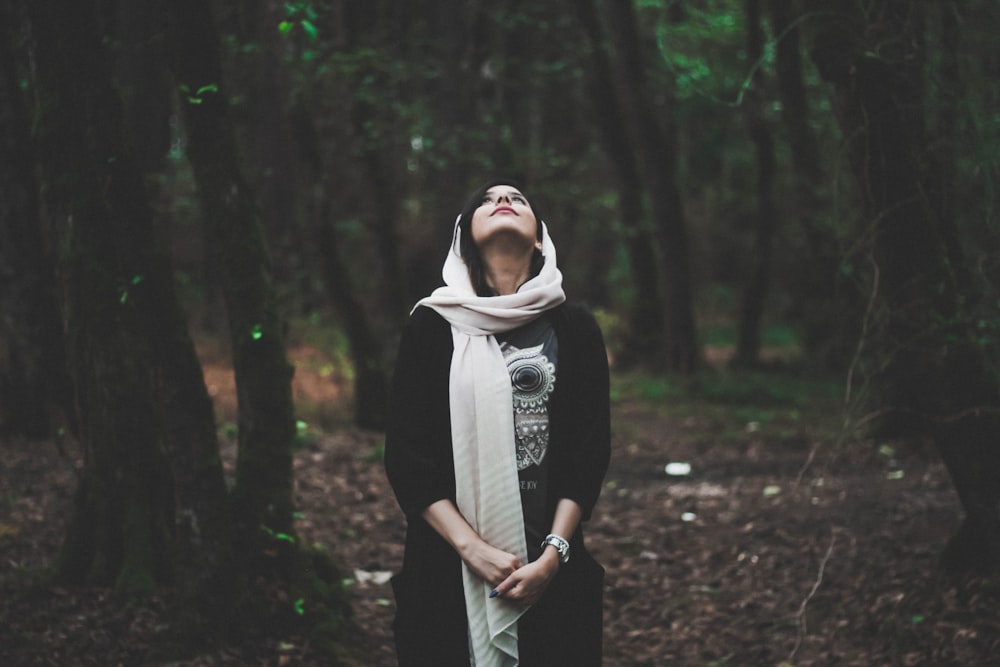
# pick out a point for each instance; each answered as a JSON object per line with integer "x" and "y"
{"x": 262, "y": 495}
{"x": 151, "y": 504}
{"x": 934, "y": 373}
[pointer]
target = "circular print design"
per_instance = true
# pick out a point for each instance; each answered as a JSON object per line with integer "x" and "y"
{"x": 533, "y": 379}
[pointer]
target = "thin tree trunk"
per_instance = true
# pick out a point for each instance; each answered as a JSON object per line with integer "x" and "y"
{"x": 646, "y": 344}
{"x": 276, "y": 169}
{"x": 371, "y": 387}
{"x": 658, "y": 152}
{"x": 758, "y": 281}
{"x": 262, "y": 495}
{"x": 819, "y": 307}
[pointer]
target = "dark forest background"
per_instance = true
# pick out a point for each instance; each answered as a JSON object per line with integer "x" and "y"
{"x": 722, "y": 178}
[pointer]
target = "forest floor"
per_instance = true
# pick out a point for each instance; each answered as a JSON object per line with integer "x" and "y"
{"x": 784, "y": 545}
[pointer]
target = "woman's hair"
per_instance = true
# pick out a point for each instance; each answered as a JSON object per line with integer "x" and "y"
{"x": 467, "y": 246}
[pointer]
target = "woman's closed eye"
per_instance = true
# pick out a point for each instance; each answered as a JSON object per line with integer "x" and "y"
{"x": 490, "y": 199}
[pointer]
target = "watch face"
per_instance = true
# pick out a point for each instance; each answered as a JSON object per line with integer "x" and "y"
{"x": 562, "y": 546}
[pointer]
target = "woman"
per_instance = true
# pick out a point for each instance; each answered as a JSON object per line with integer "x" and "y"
{"x": 496, "y": 449}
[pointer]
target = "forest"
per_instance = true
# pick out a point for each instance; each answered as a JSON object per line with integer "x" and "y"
{"x": 215, "y": 218}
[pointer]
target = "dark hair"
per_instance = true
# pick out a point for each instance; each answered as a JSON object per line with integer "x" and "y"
{"x": 467, "y": 246}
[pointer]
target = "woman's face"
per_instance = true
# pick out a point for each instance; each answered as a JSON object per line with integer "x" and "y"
{"x": 505, "y": 216}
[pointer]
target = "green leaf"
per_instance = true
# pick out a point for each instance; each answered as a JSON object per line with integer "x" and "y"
{"x": 257, "y": 332}
{"x": 285, "y": 27}
{"x": 310, "y": 29}
{"x": 300, "y": 606}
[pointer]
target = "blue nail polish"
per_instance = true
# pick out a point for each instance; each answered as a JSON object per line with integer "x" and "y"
{"x": 493, "y": 593}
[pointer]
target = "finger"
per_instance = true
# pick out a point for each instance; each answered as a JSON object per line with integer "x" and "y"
{"x": 503, "y": 587}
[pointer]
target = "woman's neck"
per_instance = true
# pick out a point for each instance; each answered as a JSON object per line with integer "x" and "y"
{"x": 505, "y": 272}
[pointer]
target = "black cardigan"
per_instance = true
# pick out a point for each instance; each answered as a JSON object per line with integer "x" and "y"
{"x": 430, "y": 625}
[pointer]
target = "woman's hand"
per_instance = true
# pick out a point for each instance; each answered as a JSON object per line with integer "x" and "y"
{"x": 527, "y": 584}
{"x": 486, "y": 561}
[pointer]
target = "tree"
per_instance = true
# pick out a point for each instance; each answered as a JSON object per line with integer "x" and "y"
{"x": 819, "y": 298}
{"x": 647, "y": 342}
{"x": 150, "y": 507}
{"x": 933, "y": 372}
{"x": 764, "y": 217}
{"x": 262, "y": 502}
{"x": 34, "y": 389}
{"x": 658, "y": 155}
{"x": 262, "y": 497}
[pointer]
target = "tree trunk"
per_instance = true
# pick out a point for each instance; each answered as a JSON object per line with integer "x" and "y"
{"x": 276, "y": 174}
{"x": 144, "y": 80}
{"x": 758, "y": 281}
{"x": 262, "y": 495}
{"x": 34, "y": 388}
{"x": 933, "y": 375}
{"x": 821, "y": 309}
{"x": 658, "y": 153}
{"x": 120, "y": 529}
{"x": 151, "y": 504}
{"x": 371, "y": 387}
{"x": 646, "y": 345}
{"x": 277, "y": 570}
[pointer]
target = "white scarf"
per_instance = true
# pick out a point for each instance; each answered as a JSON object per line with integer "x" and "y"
{"x": 482, "y": 427}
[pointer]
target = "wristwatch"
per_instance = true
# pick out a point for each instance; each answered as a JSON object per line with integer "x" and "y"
{"x": 561, "y": 545}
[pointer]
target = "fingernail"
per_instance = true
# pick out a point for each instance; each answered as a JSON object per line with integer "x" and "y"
{"x": 493, "y": 593}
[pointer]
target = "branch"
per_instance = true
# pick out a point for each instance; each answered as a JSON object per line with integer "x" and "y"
{"x": 800, "y": 617}
{"x": 864, "y": 333}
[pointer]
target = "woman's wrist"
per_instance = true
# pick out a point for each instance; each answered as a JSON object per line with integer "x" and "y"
{"x": 550, "y": 558}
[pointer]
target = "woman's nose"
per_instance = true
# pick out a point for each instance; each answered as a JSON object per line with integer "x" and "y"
{"x": 503, "y": 197}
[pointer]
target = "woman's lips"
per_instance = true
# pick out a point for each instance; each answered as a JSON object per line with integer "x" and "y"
{"x": 502, "y": 209}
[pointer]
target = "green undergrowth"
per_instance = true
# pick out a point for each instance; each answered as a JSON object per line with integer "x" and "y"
{"x": 778, "y": 403}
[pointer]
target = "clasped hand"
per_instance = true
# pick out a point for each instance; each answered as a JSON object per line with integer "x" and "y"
{"x": 512, "y": 579}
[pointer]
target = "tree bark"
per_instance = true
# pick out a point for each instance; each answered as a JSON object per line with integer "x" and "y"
{"x": 646, "y": 345}
{"x": 151, "y": 504}
{"x": 658, "y": 155}
{"x": 757, "y": 284}
{"x": 819, "y": 307}
{"x": 933, "y": 375}
{"x": 120, "y": 529}
{"x": 262, "y": 495}
{"x": 371, "y": 387}
{"x": 144, "y": 80}
{"x": 34, "y": 388}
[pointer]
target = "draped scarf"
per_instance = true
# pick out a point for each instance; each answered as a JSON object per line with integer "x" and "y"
{"x": 487, "y": 491}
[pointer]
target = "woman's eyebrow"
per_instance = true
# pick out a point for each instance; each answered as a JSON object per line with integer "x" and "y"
{"x": 509, "y": 192}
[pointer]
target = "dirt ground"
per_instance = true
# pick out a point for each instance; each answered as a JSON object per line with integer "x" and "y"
{"x": 774, "y": 550}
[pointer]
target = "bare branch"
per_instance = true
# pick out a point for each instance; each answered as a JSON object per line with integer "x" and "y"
{"x": 800, "y": 617}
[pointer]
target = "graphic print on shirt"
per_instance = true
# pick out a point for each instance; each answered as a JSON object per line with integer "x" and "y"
{"x": 532, "y": 378}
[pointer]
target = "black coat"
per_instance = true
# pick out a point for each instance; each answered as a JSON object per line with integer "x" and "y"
{"x": 430, "y": 627}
